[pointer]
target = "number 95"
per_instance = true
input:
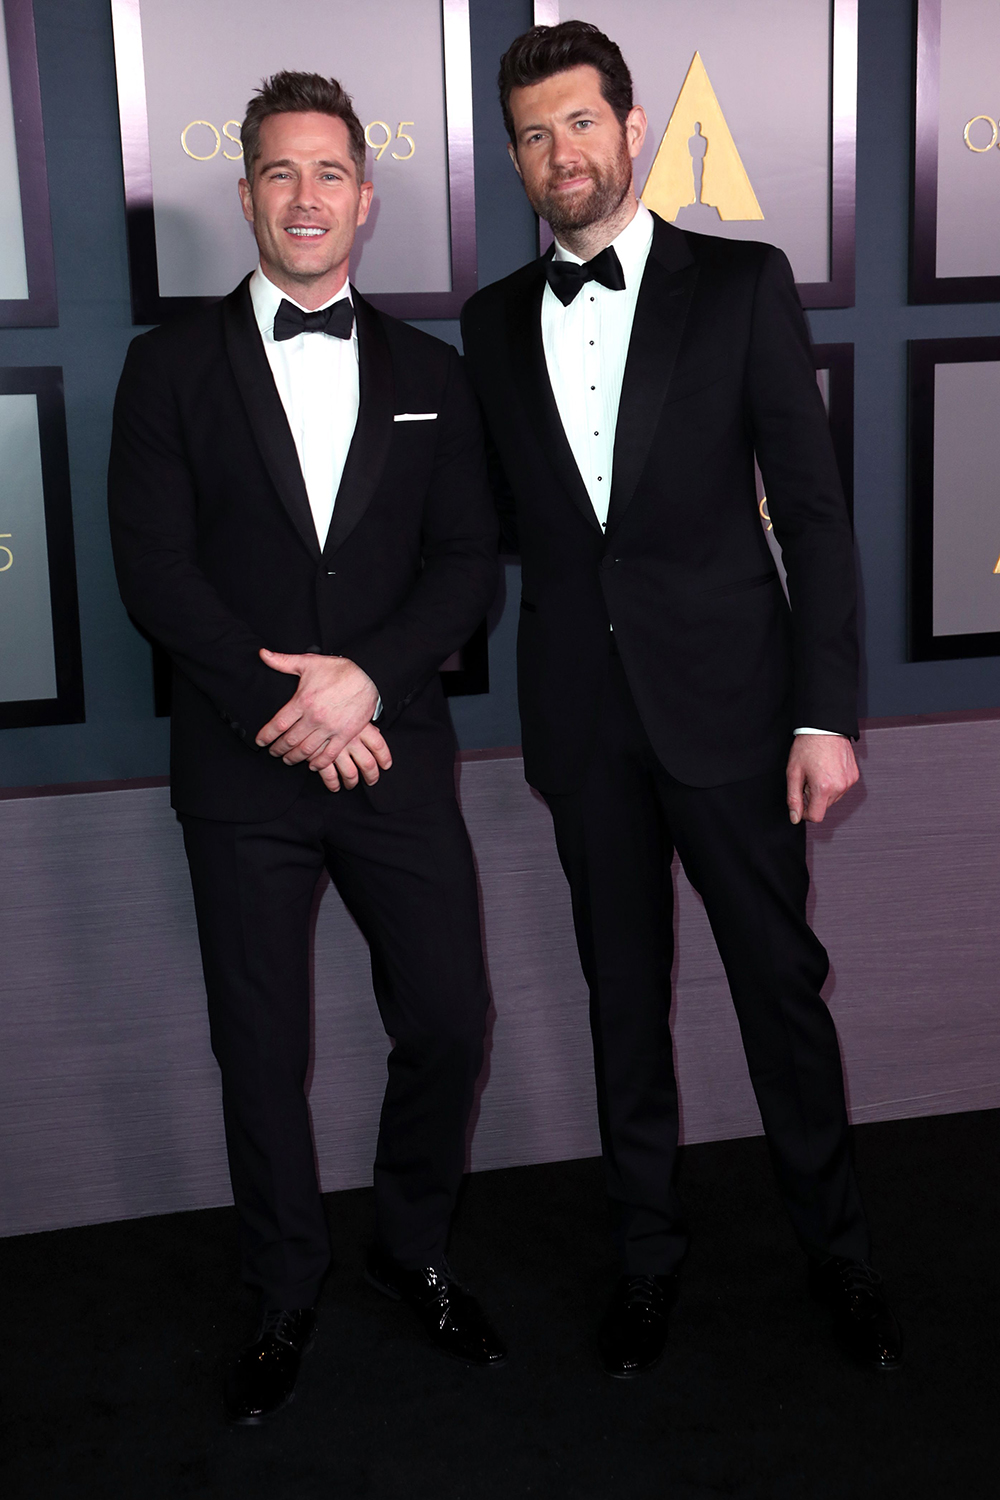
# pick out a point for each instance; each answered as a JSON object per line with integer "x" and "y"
{"x": 379, "y": 146}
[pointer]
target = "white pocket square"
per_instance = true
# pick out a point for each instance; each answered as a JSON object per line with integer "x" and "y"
{"x": 415, "y": 416}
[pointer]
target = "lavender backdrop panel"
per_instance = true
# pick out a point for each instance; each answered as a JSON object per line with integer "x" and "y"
{"x": 110, "y": 1094}
{"x": 968, "y": 176}
{"x": 769, "y": 65}
{"x": 202, "y": 64}
{"x": 27, "y": 662}
{"x": 13, "y": 265}
{"x": 966, "y": 498}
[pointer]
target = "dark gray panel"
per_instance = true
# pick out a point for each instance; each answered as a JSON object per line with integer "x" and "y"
{"x": 110, "y": 1100}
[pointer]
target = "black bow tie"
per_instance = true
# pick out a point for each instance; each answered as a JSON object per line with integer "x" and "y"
{"x": 336, "y": 320}
{"x": 566, "y": 278}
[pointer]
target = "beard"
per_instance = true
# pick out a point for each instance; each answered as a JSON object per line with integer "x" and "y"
{"x": 609, "y": 186}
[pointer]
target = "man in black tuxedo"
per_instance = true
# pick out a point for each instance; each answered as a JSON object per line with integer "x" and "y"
{"x": 670, "y": 699}
{"x": 298, "y": 491}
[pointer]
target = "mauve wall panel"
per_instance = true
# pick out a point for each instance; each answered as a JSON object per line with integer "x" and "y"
{"x": 109, "y": 1096}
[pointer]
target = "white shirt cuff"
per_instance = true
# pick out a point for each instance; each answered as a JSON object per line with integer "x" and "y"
{"x": 821, "y": 731}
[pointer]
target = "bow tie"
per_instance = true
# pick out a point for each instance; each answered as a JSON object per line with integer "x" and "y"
{"x": 566, "y": 278}
{"x": 336, "y": 320}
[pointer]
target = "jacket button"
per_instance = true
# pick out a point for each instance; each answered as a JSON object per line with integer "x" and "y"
{"x": 609, "y": 562}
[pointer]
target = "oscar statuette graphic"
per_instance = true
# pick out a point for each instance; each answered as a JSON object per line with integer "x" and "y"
{"x": 698, "y": 178}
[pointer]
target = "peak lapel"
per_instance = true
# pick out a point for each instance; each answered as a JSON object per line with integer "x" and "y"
{"x": 661, "y": 312}
{"x": 268, "y": 422}
{"x": 524, "y": 329}
{"x": 370, "y": 444}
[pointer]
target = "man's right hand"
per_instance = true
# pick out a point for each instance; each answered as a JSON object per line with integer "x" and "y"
{"x": 367, "y": 755}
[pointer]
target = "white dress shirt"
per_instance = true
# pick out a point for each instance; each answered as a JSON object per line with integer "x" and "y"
{"x": 317, "y": 379}
{"x": 318, "y": 382}
{"x": 586, "y": 346}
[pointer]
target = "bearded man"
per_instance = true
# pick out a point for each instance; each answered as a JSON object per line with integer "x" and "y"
{"x": 670, "y": 698}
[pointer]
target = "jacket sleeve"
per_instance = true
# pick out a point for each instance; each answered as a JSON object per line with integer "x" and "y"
{"x": 152, "y": 499}
{"x": 805, "y": 500}
{"x": 458, "y": 579}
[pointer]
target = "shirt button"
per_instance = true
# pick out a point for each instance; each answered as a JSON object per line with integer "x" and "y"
{"x": 597, "y": 434}
{"x": 591, "y": 343}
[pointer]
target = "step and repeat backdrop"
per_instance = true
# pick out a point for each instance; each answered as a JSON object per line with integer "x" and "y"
{"x": 752, "y": 110}
{"x": 110, "y": 1092}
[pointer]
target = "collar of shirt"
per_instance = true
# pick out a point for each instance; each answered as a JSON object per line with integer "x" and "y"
{"x": 267, "y": 298}
{"x": 631, "y": 247}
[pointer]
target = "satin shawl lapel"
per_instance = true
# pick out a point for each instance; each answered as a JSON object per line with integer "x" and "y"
{"x": 268, "y": 422}
{"x": 661, "y": 311}
{"x": 524, "y": 328}
{"x": 370, "y": 445}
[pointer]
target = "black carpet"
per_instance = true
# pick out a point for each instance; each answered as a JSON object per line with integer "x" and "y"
{"x": 114, "y": 1335}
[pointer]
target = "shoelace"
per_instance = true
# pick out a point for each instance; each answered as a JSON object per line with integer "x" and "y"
{"x": 858, "y": 1276}
{"x": 441, "y": 1300}
{"x": 862, "y": 1286}
{"x": 644, "y": 1290}
{"x": 279, "y": 1322}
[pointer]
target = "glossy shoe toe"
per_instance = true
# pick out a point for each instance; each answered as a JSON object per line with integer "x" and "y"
{"x": 261, "y": 1380}
{"x": 864, "y": 1320}
{"x": 633, "y": 1333}
{"x": 451, "y": 1316}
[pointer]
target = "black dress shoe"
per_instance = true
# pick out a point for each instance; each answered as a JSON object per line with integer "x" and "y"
{"x": 261, "y": 1380}
{"x": 633, "y": 1332}
{"x": 452, "y": 1317}
{"x": 864, "y": 1319}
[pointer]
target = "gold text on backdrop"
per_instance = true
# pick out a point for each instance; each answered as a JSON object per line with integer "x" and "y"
{"x": 378, "y": 146}
{"x": 987, "y": 120}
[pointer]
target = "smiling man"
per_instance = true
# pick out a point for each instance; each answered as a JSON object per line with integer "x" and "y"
{"x": 670, "y": 699}
{"x": 300, "y": 516}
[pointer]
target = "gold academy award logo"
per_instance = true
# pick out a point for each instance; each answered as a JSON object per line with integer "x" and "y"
{"x": 697, "y": 166}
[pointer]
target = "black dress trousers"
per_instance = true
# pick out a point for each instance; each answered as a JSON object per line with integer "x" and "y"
{"x": 616, "y": 838}
{"x": 409, "y": 882}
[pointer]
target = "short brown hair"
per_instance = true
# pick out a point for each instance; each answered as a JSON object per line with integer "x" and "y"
{"x": 546, "y": 50}
{"x": 300, "y": 93}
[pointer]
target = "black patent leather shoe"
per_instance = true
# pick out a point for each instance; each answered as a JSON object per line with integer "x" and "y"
{"x": 451, "y": 1316}
{"x": 261, "y": 1380}
{"x": 633, "y": 1333}
{"x": 863, "y": 1318}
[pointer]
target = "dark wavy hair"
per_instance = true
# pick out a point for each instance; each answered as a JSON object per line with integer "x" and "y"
{"x": 546, "y": 50}
{"x": 300, "y": 93}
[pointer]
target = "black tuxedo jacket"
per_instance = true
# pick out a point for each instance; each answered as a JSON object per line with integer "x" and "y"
{"x": 217, "y": 554}
{"x": 719, "y": 368}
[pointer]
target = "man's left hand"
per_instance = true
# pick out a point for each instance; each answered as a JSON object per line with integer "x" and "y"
{"x": 332, "y": 704}
{"x": 821, "y": 768}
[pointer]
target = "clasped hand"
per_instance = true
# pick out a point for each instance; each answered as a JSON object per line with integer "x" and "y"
{"x": 327, "y": 720}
